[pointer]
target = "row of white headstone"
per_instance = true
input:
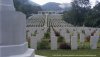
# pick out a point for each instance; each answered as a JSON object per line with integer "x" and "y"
{"x": 36, "y": 20}
{"x": 40, "y": 20}
{"x": 73, "y": 39}
{"x": 34, "y": 39}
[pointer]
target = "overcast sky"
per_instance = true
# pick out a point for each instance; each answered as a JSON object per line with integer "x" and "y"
{"x": 41, "y": 2}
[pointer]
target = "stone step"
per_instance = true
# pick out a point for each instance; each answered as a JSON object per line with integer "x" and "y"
{"x": 28, "y": 53}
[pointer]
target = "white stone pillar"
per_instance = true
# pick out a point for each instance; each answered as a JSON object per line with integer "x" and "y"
{"x": 6, "y": 5}
{"x": 12, "y": 32}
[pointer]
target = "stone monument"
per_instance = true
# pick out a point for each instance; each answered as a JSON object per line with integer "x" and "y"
{"x": 12, "y": 32}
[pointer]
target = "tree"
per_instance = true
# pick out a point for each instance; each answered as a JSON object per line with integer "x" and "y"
{"x": 26, "y": 7}
{"x": 93, "y": 16}
{"x": 77, "y": 13}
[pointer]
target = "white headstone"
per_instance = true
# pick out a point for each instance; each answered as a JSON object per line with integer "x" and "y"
{"x": 33, "y": 42}
{"x": 53, "y": 41}
{"x": 96, "y": 33}
{"x": 88, "y": 32}
{"x": 67, "y": 38}
{"x": 93, "y": 42}
{"x": 52, "y": 32}
{"x": 82, "y": 37}
{"x": 74, "y": 44}
{"x": 63, "y": 31}
{"x": 75, "y": 33}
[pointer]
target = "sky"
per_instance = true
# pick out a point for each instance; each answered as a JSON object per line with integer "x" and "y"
{"x": 41, "y": 2}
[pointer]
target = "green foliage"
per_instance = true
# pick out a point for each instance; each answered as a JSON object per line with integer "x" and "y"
{"x": 63, "y": 53}
{"x": 34, "y": 34}
{"x": 25, "y": 7}
{"x": 45, "y": 41}
{"x": 65, "y": 46}
{"x": 85, "y": 45}
{"x": 77, "y": 13}
{"x": 47, "y": 35}
{"x": 82, "y": 14}
{"x": 93, "y": 17}
{"x": 60, "y": 39}
{"x": 44, "y": 44}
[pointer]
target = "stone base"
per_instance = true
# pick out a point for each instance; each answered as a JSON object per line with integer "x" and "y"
{"x": 20, "y": 50}
{"x": 29, "y": 53}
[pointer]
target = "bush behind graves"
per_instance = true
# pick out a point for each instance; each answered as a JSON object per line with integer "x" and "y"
{"x": 44, "y": 44}
{"x": 65, "y": 46}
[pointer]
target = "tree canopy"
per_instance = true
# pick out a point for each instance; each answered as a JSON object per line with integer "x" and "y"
{"x": 81, "y": 14}
{"x": 26, "y": 7}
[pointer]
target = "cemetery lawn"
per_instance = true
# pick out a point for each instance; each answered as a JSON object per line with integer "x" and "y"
{"x": 63, "y": 53}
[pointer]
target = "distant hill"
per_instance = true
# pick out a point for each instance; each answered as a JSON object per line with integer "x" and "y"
{"x": 27, "y": 7}
{"x": 27, "y": 2}
{"x": 53, "y": 6}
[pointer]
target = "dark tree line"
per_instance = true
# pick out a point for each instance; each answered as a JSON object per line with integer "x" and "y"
{"x": 25, "y": 7}
{"x": 81, "y": 14}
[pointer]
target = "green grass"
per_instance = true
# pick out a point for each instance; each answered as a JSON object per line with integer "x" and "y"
{"x": 85, "y": 50}
{"x": 61, "y": 53}
{"x": 81, "y": 51}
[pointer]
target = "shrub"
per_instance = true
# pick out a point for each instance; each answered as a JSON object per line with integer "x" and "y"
{"x": 87, "y": 39}
{"x": 60, "y": 39}
{"x": 43, "y": 45}
{"x": 33, "y": 34}
{"x": 65, "y": 46}
{"x": 29, "y": 41}
{"x": 57, "y": 33}
{"x": 92, "y": 34}
{"x": 47, "y": 35}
